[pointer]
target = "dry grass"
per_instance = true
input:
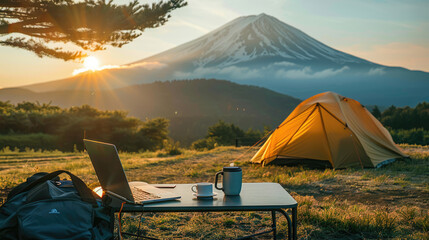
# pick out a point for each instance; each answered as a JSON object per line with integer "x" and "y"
{"x": 389, "y": 202}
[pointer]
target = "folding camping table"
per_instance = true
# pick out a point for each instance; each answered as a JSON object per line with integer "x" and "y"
{"x": 271, "y": 197}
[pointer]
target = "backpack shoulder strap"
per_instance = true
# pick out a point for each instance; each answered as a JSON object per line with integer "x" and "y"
{"x": 21, "y": 186}
{"x": 84, "y": 192}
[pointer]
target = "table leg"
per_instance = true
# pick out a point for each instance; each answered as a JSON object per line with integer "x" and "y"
{"x": 294, "y": 222}
{"x": 289, "y": 223}
{"x": 274, "y": 226}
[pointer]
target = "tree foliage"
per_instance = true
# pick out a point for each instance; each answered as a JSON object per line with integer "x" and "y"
{"x": 89, "y": 24}
{"x": 376, "y": 112}
{"x": 417, "y": 136}
{"x": 406, "y": 124}
{"x": 406, "y": 117}
{"x": 64, "y": 129}
{"x": 227, "y": 134}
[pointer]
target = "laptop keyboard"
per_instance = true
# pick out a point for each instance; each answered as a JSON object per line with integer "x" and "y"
{"x": 140, "y": 195}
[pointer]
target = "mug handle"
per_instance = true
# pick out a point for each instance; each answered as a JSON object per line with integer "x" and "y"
{"x": 216, "y": 178}
{"x": 192, "y": 188}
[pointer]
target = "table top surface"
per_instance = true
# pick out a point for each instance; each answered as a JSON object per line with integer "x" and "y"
{"x": 253, "y": 197}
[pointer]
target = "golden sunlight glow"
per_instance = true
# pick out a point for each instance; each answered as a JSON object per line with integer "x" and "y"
{"x": 91, "y": 63}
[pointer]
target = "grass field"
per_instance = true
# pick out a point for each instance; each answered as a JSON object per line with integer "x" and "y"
{"x": 391, "y": 202}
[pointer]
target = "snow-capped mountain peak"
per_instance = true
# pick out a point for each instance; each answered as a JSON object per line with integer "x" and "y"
{"x": 249, "y": 38}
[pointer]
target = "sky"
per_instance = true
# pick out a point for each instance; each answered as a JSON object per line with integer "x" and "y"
{"x": 388, "y": 32}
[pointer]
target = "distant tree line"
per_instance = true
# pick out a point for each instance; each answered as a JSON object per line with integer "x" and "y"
{"x": 227, "y": 134}
{"x": 46, "y": 127}
{"x": 406, "y": 124}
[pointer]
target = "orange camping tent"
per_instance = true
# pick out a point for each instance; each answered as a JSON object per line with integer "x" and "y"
{"x": 331, "y": 130}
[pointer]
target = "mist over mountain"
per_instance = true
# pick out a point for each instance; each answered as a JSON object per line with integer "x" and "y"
{"x": 263, "y": 51}
{"x": 190, "y": 105}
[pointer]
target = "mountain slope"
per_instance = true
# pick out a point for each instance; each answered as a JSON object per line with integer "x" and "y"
{"x": 248, "y": 38}
{"x": 191, "y": 106}
{"x": 263, "y": 51}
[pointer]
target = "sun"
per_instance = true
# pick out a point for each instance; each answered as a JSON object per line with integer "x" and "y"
{"x": 91, "y": 63}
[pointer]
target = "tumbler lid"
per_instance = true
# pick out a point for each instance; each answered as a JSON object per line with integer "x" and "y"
{"x": 231, "y": 169}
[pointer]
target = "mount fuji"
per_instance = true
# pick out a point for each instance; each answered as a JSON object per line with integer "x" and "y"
{"x": 257, "y": 40}
{"x": 263, "y": 51}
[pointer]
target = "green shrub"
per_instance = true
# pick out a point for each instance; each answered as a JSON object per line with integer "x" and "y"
{"x": 412, "y": 136}
{"x": 227, "y": 134}
{"x": 33, "y": 141}
{"x": 51, "y": 127}
{"x": 172, "y": 148}
{"x": 406, "y": 117}
{"x": 204, "y": 144}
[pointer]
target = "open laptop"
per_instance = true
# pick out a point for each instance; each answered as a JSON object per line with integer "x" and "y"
{"x": 108, "y": 167}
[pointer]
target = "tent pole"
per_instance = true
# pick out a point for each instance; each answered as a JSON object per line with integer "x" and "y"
{"x": 295, "y": 116}
{"x": 305, "y": 120}
{"x": 353, "y": 136}
{"x": 326, "y": 136}
{"x": 354, "y": 145}
{"x": 345, "y": 124}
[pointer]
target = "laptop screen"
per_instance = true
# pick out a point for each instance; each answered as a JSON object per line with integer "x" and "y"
{"x": 108, "y": 167}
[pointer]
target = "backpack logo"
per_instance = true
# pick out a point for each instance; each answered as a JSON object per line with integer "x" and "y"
{"x": 54, "y": 211}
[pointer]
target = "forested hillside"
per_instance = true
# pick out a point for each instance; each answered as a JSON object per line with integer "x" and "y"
{"x": 190, "y": 105}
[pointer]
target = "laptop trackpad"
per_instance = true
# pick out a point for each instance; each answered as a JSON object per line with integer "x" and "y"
{"x": 163, "y": 193}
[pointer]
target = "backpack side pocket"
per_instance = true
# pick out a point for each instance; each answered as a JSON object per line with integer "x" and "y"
{"x": 56, "y": 219}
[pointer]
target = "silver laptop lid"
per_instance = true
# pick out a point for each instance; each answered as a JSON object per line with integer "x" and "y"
{"x": 108, "y": 167}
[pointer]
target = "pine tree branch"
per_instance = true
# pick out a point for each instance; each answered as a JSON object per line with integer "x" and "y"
{"x": 91, "y": 25}
{"x": 41, "y": 50}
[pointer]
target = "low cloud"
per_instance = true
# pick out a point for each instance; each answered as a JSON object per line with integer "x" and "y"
{"x": 376, "y": 71}
{"x": 145, "y": 65}
{"x": 231, "y": 71}
{"x": 283, "y": 64}
{"x": 278, "y": 70}
{"x": 307, "y": 73}
{"x": 234, "y": 71}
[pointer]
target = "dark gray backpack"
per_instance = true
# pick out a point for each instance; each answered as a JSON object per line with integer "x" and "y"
{"x": 46, "y": 208}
